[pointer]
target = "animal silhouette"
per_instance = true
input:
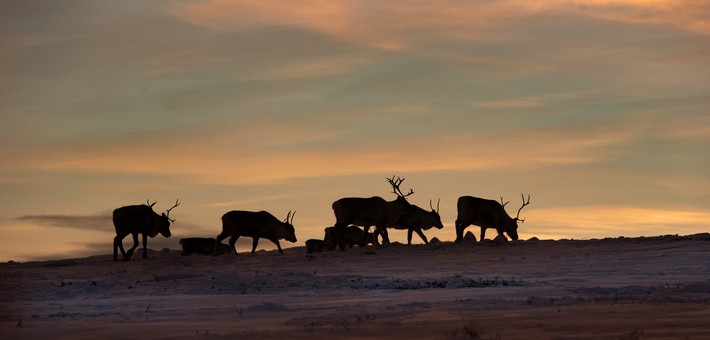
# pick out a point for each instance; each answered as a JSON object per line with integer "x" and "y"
{"x": 139, "y": 219}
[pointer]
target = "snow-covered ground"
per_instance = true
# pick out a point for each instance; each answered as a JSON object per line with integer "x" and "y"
{"x": 621, "y": 288}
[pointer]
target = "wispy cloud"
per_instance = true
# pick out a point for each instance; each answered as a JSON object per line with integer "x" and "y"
{"x": 260, "y": 200}
{"x": 514, "y": 103}
{"x": 233, "y": 157}
{"x": 100, "y": 222}
{"x": 314, "y": 68}
{"x": 372, "y": 22}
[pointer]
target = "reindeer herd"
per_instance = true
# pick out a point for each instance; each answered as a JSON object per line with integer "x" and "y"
{"x": 351, "y": 213}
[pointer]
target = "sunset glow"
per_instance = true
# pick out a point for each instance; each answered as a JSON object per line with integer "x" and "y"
{"x": 597, "y": 109}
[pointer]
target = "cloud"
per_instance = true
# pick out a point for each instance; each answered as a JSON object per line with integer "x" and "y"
{"x": 221, "y": 155}
{"x": 689, "y": 15}
{"x": 88, "y": 222}
{"x": 314, "y": 68}
{"x": 515, "y": 103}
{"x": 252, "y": 201}
{"x": 393, "y": 24}
{"x": 34, "y": 242}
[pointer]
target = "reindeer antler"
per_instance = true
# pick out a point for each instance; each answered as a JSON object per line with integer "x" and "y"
{"x": 289, "y": 217}
{"x": 149, "y": 204}
{"x": 437, "y": 206}
{"x": 395, "y": 187}
{"x": 517, "y": 217}
{"x": 167, "y": 212}
{"x": 501, "y": 202}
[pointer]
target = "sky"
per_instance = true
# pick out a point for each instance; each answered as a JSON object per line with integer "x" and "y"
{"x": 596, "y": 109}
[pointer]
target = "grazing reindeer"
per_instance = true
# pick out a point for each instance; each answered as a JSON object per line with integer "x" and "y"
{"x": 351, "y": 236}
{"x": 139, "y": 219}
{"x": 417, "y": 220}
{"x": 202, "y": 245}
{"x": 256, "y": 225}
{"x": 487, "y": 214}
{"x": 367, "y": 212}
{"x": 315, "y": 246}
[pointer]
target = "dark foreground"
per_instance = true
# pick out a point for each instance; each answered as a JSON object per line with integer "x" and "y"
{"x": 624, "y": 288}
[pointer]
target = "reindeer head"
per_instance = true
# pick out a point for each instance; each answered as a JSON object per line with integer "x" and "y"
{"x": 287, "y": 232}
{"x": 165, "y": 220}
{"x": 434, "y": 215}
{"x": 511, "y": 225}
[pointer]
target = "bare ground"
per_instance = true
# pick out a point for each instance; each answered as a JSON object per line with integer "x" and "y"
{"x": 621, "y": 288}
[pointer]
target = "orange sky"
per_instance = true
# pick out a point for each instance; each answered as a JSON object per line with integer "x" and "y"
{"x": 598, "y": 109}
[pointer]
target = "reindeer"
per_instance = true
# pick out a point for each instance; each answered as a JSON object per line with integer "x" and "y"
{"x": 139, "y": 219}
{"x": 202, "y": 245}
{"x": 367, "y": 212}
{"x": 487, "y": 214}
{"x": 417, "y": 220}
{"x": 315, "y": 246}
{"x": 352, "y": 235}
{"x": 255, "y": 225}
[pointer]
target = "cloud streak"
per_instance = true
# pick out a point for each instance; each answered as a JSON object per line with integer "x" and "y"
{"x": 220, "y": 159}
{"x": 390, "y": 25}
{"x": 100, "y": 222}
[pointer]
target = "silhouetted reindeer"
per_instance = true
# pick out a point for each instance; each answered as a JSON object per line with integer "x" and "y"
{"x": 202, "y": 245}
{"x": 257, "y": 225}
{"x": 487, "y": 214}
{"x": 139, "y": 219}
{"x": 315, "y": 246}
{"x": 367, "y": 212}
{"x": 418, "y": 219}
{"x": 352, "y": 236}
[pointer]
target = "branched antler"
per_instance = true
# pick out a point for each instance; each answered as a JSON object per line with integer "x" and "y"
{"x": 150, "y": 204}
{"x": 395, "y": 183}
{"x": 501, "y": 202}
{"x": 517, "y": 217}
{"x": 167, "y": 212}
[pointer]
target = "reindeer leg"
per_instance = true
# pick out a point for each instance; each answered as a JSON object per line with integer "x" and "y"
{"x": 278, "y": 245}
{"x": 232, "y": 241}
{"x": 363, "y": 239}
{"x": 500, "y": 233}
{"x": 145, "y": 246}
{"x": 339, "y": 231}
{"x": 118, "y": 244}
{"x": 375, "y": 237}
{"x": 218, "y": 240}
{"x": 483, "y": 234}
{"x": 421, "y": 234}
{"x": 254, "y": 244}
{"x": 129, "y": 253}
{"x": 385, "y": 235}
{"x": 459, "y": 230}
